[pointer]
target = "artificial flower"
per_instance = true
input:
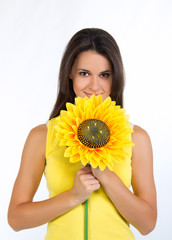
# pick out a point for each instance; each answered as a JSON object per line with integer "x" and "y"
{"x": 94, "y": 131}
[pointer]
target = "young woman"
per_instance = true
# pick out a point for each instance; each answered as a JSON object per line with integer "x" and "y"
{"x": 91, "y": 64}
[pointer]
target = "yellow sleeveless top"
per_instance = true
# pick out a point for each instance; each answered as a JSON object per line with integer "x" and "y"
{"x": 104, "y": 221}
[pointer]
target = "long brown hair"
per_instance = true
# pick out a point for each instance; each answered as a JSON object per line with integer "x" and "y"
{"x": 89, "y": 39}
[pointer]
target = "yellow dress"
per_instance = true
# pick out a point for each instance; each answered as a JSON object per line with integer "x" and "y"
{"x": 104, "y": 221}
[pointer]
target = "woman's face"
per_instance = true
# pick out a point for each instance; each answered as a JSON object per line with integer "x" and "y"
{"x": 91, "y": 74}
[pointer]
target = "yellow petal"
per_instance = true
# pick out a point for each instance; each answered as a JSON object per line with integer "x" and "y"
{"x": 74, "y": 127}
{"x": 92, "y": 98}
{"x": 74, "y": 150}
{"x": 96, "y": 156}
{"x": 78, "y": 122}
{"x": 72, "y": 142}
{"x": 76, "y": 111}
{"x": 82, "y": 150}
{"x": 84, "y": 116}
{"x": 84, "y": 160}
{"x": 93, "y": 162}
{"x": 75, "y": 158}
{"x": 89, "y": 113}
{"x": 98, "y": 100}
{"x": 63, "y": 113}
{"x": 88, "y": 105}
{"x": 78, "y": 100}
{"x": 88, "y": 155}
{"x": 69, "y": 106}
{"x": 69, "y": 135}
{"x": 59, "y": 136}
{"x": 102, "y": 152}
{"x": 102, "y": 166}
{"x": 107, "y": 102}
{"x": 68, "y": 152}
{"x": 98, "y": 115}
{"x": 64, "y": 125}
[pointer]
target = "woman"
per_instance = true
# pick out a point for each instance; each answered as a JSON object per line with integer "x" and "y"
{"x": 91, "y": 64}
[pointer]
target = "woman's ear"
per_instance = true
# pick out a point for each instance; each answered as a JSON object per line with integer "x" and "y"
{"x": 70, "y": 76}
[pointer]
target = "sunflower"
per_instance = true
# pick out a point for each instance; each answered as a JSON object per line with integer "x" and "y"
{"x": 94, "y": 131}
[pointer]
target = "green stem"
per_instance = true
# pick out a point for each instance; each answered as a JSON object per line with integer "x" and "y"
{"x": 86, "y": 215}
{"x": 86, "y": 219}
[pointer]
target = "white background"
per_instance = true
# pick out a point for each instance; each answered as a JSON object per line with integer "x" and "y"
{"x": 33, "y": 35}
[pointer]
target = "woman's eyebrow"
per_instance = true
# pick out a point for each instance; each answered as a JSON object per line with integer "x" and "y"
{"x": 82, "y": 69}
{"x": 86, "y": 70}
{"x": 106, "y": 71}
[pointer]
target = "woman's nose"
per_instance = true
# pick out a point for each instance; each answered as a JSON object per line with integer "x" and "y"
{"x": 95, "y": 83}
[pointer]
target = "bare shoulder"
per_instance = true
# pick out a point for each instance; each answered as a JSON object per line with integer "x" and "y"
{"x": 37, "y": 138}
{"x": 143, "y": 146}
{"x": 140, "y": 135}
{"x": 39, "y": 131}
{"x": 33, "y": 155}
{"x": 139, "y": 131}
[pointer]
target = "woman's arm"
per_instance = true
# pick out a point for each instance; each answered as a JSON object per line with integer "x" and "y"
{"x": 139, "y": 208}
{"x": 23, "y": 212}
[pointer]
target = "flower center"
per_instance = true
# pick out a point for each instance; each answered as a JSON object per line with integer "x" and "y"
{"x": 93, "y": 133}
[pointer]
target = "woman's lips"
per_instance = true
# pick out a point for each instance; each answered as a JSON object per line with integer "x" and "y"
{"x": 90, "y": 94}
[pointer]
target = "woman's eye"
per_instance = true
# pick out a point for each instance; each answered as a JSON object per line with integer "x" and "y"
{"x": 84, "y": 73}
{"x": 104, "y": 75}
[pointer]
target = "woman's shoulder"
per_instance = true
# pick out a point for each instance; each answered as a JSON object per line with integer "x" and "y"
{"x": 39, "y": 130}
{"x": 139, "y": 132}
{"x": 38, "y": 134}
{"x": 140, "y": 137}
{"x": 35, "y": 147}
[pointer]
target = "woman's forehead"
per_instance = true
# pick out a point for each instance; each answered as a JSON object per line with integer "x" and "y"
{"x": 92, "y": 60}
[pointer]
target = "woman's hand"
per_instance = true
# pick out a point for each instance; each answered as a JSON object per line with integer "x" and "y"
{"x": 85, "y": 183}
{"x": 102, "y": 176}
